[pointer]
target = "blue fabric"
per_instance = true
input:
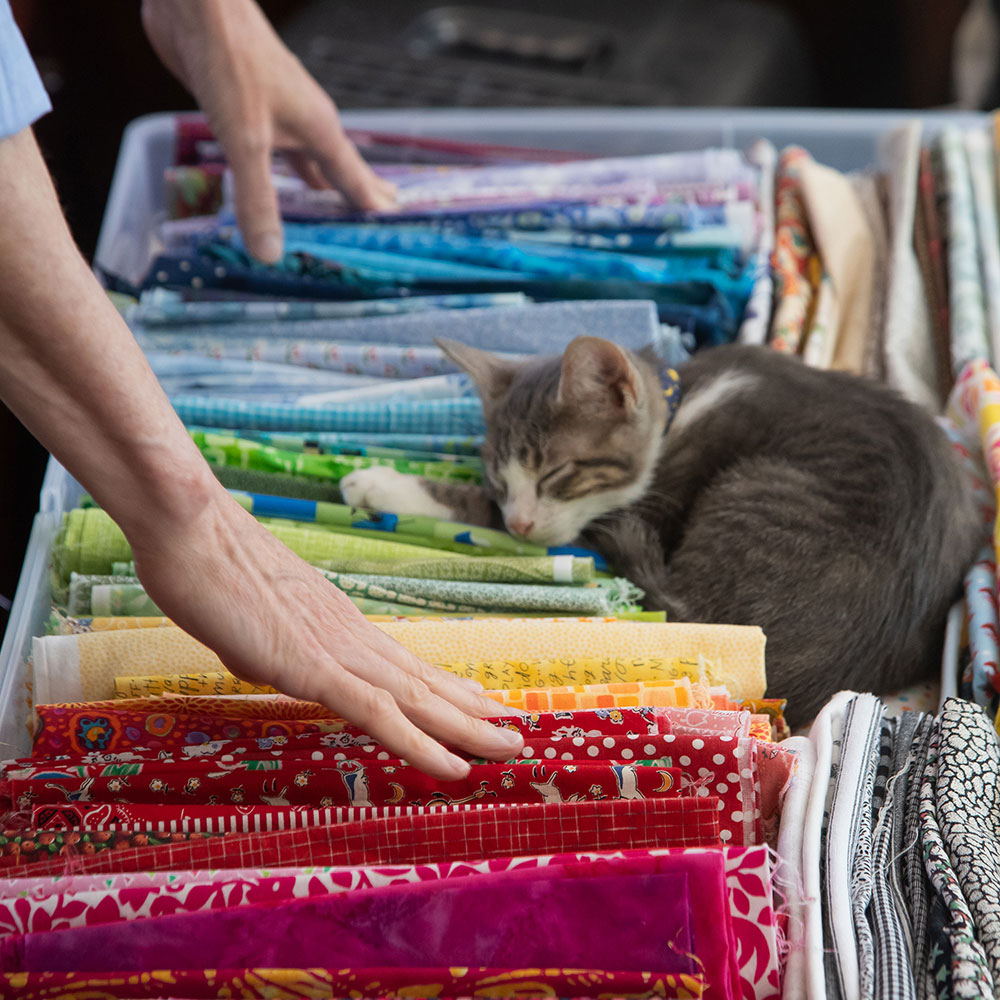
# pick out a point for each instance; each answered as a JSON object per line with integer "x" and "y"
{"x": 170, "y": 311}
{"x": 451, "y": 386}
{"x": 581, "y": 216}
{"x": 187, "y": 374}
{"x": 708, "y": 310}
{"x": 402, "y": 243}
{"x": 22, "y": 97}
{"x": 984, "y": 651}
{"x": 545, "y": 329}
{"x": 458, "y": 417}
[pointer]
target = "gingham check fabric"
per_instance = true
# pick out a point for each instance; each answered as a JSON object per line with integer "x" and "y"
{"x": 428, "y": 837}
{"x": 456, "y": 417}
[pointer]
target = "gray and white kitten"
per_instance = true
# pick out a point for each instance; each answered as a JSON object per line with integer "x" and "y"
{"x": 818, "y": 505}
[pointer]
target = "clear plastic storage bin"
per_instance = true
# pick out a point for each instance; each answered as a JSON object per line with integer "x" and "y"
{"x": 845, "y": 140}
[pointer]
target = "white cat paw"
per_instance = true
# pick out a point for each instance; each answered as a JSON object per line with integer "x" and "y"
{"x": 383, "y": 489}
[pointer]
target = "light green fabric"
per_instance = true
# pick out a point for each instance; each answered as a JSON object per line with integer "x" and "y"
{"x": 91, "y": 543}
{"x": 457, "y": 596}
{"x": 226, "y": 449}
{"x": 78, "y": 597}
{"x": 484, "y": 569}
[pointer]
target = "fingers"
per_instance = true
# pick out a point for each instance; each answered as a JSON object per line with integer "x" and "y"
{"x": 375, "y": 711}
{"x": 452, "y": 718}
{"x": 308, "y": 169}
{"x": 387, "y": 188}
{"x": 463, "y": 692}
{"x": 342, "y": 166}
{"x": 255, "y": 200}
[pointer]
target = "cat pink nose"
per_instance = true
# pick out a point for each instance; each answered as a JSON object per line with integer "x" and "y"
{"x": 521, "y": 525}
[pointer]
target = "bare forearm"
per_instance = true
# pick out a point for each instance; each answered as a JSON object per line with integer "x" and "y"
{"x": 71, "y": 370}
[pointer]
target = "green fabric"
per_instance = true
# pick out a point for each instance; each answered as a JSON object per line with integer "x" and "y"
{"x": 106, "y": 595}
{"x": 454, "y": 595}
{"x": 225, "y": 449}
{"x": 303, "y": 443}
{"x": 122, "y": 599}
{"x": 275, "y": 484}
{"x": 369, "y": 606}
{"x": 417, "y": 529}
{"x": 90, "y": 542}
{"x": 77, "y": 597}
{"x": 318, "y": 546}
{"x": 484, "y": 569}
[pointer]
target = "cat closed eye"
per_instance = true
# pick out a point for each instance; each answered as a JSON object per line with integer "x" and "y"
{"x": 578, "y": 478}
{"x": 497, "y": 490}
{"x": 553, "y": 475}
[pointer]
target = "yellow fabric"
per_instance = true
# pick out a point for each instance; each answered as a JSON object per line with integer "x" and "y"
{"x": 511, "y": 653}
{"x": 481, "y": 614}
{"x": 974, "y": 407}
{"x": 284, "y": 709}
{"x": 217, "y": 683}
{"x": 84, "y": 667}
{"x": 110, "y": 624}
{"x": 733, "y": 655}
{"x": 679, "y": 693}
{"x": 567, "y": 672}
{"x": 317, "y": 984}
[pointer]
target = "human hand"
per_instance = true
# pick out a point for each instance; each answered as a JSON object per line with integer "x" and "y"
{"x": 273, "y": 619}
{"x": 258, "y": 97}
{"x": 205, "y": 561}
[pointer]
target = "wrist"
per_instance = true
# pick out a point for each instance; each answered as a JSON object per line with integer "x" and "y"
{"x": 165, "y": 493}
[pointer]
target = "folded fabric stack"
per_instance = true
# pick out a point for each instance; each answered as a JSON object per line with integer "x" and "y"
{"x": 178, "y": 832}
{"x": 204, "y": 845}
{"x": 900, "y": 855}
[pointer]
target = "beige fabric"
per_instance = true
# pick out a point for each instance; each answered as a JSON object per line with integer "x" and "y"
{"x": 841, "y": 234}
{"x": 519, "y": 653}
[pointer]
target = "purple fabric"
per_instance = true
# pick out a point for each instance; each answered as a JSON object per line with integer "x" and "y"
{"x": 628, "y": 914}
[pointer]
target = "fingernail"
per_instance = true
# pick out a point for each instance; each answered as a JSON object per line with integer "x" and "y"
{"x": 506, "y": 712}
{"x": 268, "y": 248}
{"x": 456, "y": 768}
{"x": 511, "y": 738}
{"x": 383, "y": 201}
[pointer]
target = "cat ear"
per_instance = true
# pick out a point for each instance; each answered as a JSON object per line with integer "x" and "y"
{"x": 597, "y": 372}
{"x": 491, "y": 374}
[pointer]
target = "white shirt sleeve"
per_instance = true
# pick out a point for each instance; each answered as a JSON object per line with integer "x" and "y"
{"x": 23, "y": 99}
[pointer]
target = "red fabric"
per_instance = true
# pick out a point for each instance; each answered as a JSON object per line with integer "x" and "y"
{"x": 116, "y": 816}
{"x": 273, "y": 781}
{"x": 180, "y": 724}
{"x": 428, "y": 837}
{"x": 106, "y": 726}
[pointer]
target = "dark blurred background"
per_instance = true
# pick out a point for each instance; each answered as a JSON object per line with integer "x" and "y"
{"x": 101, "y": 73}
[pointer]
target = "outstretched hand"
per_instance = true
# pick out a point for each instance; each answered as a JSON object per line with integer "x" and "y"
{"x": 258, "y": 98}
{"x": 206, "y": 562}
{"x": 275, "y": 620}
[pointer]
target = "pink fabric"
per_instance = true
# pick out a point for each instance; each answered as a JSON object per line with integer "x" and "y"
{"x": 45, "y": 904}
{"x": 630, "y": 911}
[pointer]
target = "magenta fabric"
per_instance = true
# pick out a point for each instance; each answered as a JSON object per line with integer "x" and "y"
{"x": 632, "y": 913}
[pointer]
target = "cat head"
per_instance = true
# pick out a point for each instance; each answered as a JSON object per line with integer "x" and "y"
{"x": 568, "y": 439}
